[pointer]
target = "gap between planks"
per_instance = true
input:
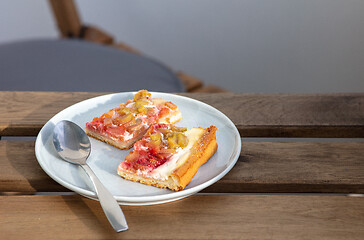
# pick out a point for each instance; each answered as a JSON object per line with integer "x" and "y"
{"x": 199, "y": 193}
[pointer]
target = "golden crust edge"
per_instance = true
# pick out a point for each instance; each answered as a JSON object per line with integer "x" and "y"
{"x": 201, "y": 152}
{"x": 169, "y": 183}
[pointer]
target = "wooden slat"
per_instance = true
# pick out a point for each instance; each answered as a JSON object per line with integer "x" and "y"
{"x": 197, "y": 217}
{"x": 296, "y": 167}
{"x": 191, "y": 83}
{"x": 67, "y": 18}
{"x": 25, "y": 113}
{"x": 292, "y": 115}
{"x": 255, "y": 115}
{"x": 20, "y": 171}
{"x": 96, "y": 35}
{"x": 262, "y": 167}
{"x": 209, "y": 89}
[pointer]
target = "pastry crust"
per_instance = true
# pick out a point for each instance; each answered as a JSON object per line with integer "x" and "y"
{"x": 201, "y": 152}
{"x": 203, "y": 149}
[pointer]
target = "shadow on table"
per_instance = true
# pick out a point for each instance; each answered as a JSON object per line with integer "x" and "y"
{"x": 90, "y": 213}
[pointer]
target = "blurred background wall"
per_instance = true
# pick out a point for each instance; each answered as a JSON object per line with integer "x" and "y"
{"x": 268, "y": 46}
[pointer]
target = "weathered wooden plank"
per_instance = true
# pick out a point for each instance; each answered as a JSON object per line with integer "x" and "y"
{"x": 320, "y": 167}
{"x": 20, "y": 171}
{"x": 262, "y": 167}
{"x": 196, "y": 217}
{"x": 255, "y": 115}
{"x": 291, "y": 115}
{"x": 25, "y": 113}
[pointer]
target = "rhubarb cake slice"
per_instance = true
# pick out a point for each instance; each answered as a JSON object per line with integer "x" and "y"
{"x": 168, "y": 156}
{"x": 122, "y": 126}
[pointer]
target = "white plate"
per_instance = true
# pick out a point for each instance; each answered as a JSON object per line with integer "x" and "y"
{"x": 104, "y": 159}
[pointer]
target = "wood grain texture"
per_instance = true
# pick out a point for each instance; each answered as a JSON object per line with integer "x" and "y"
{"x": 291, "y": 115}
{"x": 21, "y": 172}
{"x": 262, "y": 167}
{"x": 319, "y": 167}
{"x": 255, "y": 115}
{"x": 196, "y": 217}
{"x": 25, "y": 113}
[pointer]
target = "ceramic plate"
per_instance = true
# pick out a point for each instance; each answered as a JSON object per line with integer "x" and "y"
{"x": 104, "y": 159}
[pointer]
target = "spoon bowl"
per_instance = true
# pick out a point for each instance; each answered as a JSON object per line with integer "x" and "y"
{"x": 73, "y": 145}
{"x": 71, "y": 142}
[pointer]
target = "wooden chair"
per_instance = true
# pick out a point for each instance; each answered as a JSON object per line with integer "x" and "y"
{"x": 71, "y": 26}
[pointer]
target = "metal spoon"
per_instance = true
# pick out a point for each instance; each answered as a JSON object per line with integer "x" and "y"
{"x": 73, "y": 145}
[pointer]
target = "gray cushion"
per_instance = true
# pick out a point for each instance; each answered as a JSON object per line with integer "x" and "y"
{"x": 74, "y": 65}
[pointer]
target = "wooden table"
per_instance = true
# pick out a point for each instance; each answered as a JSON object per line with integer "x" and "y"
{"x": 299, "y": 189}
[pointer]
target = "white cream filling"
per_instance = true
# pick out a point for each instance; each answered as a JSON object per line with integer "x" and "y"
{"x": 165, "y": 170}
{"x": 127, "y": 136}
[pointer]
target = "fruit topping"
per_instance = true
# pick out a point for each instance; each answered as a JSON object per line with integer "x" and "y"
{"x": 156, "y": 138}
{"x": 123, "y": 119}
{"x": 141, "y": 106}
{"x": 142, "y": 94}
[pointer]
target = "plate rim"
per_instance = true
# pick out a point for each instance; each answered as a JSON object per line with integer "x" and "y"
{"x": 139, "y": 200}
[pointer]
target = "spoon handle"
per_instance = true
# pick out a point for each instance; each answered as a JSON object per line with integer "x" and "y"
{"x": 108, "y": 203}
